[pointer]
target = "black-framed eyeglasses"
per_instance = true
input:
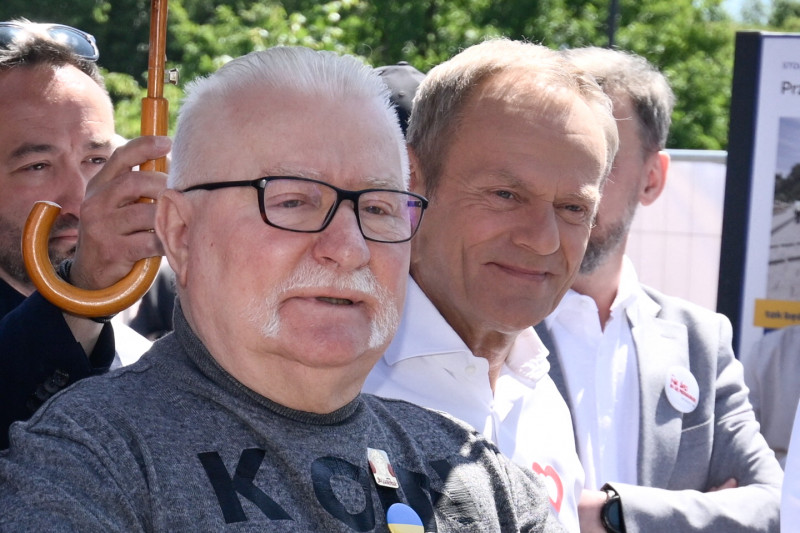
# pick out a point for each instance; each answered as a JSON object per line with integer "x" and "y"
{"x": 79, "y": 42}
{"x": 307, "y": 206}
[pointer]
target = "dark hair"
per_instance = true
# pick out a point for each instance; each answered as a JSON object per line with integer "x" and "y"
{"x": 37, "y": 48}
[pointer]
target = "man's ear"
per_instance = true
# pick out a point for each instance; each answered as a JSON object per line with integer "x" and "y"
{"x": 172, "y": 226}
{"x": 656, "y": 168}
{"x": 416, "y": 183}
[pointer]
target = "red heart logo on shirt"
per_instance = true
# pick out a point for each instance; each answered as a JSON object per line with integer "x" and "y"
{"x": 551, "y": 479}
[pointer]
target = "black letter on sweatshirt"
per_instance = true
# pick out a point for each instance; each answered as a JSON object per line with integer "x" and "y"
{"x": 322, "y": 471}
{"x": 421, "y": 497}
{"x": 226, "y": 487}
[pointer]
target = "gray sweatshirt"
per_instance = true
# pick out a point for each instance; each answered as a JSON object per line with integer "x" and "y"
{"x": 175, "y": 443}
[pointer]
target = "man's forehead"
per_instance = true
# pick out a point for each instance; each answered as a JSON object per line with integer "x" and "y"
{"x": 67, "y": 125}
{"x": 349, "y": 145}
{"x": 45, "y": 81}
{"x": 353, "y": 180}
{"x": 38, "y": 92}
{"x": 25, "y": 148}
{"x": 39, "y": 137}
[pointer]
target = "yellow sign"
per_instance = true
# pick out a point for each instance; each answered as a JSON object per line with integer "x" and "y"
{"x": 775, "y": 314}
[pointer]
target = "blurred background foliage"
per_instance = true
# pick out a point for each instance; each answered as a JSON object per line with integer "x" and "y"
{"x": 690, "y": 40}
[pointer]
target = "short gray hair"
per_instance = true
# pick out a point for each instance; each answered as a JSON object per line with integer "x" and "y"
{"x": 439, "y": 102}
{"x": 282, "y": 68}
{"x": 623, "y": 74}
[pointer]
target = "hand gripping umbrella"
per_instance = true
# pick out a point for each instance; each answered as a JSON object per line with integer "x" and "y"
{"x": 121, "y": 295}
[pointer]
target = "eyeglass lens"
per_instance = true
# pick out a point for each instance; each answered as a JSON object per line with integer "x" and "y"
{"x": 300, "y": 205}
{"x": 80, "y": 43}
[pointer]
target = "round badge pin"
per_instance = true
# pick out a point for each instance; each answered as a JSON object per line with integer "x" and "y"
{"x": 682, "y": 390}
{"x": 403, "y": 519}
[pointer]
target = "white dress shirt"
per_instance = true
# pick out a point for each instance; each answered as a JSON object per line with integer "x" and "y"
{"x": 128, "y": 344}
{"x": 428, "y": 364}
{"x": 601, "y": 372}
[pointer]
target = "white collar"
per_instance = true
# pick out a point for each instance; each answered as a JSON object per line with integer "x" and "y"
{"x": 423, "y": 331}
{"x": 630, "y": 298}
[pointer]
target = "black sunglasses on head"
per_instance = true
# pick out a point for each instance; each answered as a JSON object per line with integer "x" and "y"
{"x": 79, "y": 42}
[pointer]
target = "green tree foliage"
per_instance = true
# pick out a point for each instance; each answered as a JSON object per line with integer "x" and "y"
{"x": 690, "y": 40}
{"x": 754, "y": 13}
{"x": 692, "y": 43}
{"x": 785, "y": 15}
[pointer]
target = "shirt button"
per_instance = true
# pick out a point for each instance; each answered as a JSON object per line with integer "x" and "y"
{"x": 470, "y": 370}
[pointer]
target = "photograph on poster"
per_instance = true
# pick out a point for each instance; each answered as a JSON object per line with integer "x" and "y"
{"x": 783, "y": 275}
{"x": 759, "y": 276}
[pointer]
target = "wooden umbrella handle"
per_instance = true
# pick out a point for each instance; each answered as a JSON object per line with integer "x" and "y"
{"x": 83, "y": 302}
{"x": 155, "y": 108}
{"x": 35, "y": 237}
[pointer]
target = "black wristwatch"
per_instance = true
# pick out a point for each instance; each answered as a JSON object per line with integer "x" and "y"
{"x": 611, "y": 512}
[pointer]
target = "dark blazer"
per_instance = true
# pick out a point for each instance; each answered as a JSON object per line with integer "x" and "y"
{"x": 688, "y": 454}
{"x": 39, "y": 355}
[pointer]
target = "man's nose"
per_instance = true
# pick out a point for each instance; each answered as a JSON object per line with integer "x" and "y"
{"x": 538, "y": 229}
{"x": 71, "y": 189}
{"x": 342, "y": 241}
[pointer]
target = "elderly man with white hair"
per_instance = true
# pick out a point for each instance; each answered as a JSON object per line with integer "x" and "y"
{"x": 287, "y": 223}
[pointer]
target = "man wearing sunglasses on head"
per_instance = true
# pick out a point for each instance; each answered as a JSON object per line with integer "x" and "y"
{"x": 57, "y": 143}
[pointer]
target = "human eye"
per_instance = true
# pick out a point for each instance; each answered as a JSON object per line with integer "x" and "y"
{"x": 501, "y": 199}
{"x": 504, "y": 194}
{"x": 375, "y": 210}
{"x": 289, "y": 200}
{"x": 35, "y": 167}
{"x": 99, "y": 160}
{"x": 297, "y": 196}
{"x": 34, "y": 173}
{"x": 380, "y": 205}
{"x": 575, "y": 213}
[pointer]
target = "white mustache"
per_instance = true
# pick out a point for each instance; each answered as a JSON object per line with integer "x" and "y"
{"x": 313, "y": 276}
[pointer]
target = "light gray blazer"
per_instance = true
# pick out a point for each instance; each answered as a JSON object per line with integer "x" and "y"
{"x": 687, "y": 454}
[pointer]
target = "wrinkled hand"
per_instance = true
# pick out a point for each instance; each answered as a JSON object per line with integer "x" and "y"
{"x": 115, "y": 229}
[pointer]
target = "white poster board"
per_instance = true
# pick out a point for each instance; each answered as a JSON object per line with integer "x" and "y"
{"x": 759, "y": 286}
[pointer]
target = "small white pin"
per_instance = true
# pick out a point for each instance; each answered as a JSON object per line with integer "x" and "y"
{"x": 381, "y": 468}
{"x": 682, "y": 389}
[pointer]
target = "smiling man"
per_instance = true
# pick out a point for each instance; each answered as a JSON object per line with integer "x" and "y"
{"x": 287, "y": 223}
{"x": 511, "y": 144}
